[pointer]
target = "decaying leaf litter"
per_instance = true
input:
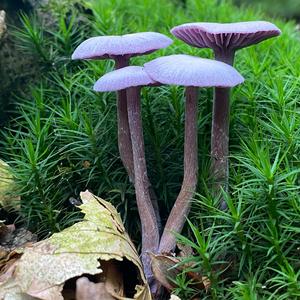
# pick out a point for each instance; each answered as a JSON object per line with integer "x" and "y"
{"x": 98, "y": 244}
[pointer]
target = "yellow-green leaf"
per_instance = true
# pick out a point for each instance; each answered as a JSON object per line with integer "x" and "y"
{"x": 79, "y": 250}
{"x": 7, "y": 186}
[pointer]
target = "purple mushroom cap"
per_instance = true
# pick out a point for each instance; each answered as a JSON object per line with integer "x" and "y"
{"x": 133, "y": 44}
{"x": 189, "y": 70}
{"x": 229, "y": 36}
{"x": 123, "y": 78}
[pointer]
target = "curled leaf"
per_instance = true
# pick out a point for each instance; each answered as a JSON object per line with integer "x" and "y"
{"x": 97, "y": 246}
{"x": 87, "y": 290}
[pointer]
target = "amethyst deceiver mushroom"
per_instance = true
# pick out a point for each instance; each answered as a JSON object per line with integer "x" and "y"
{"x": 191, "y": 72}
{"x": 132, "y": 78}
{"x": 224, "y": 40}
{"x": 121, "y": 48}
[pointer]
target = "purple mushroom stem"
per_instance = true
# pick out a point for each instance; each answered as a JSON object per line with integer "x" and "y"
{"x": 182, "y": 205}
{"x": 220, "y": 131}
{"x": 191, "y": 72}
{"x": 124, "y": 139}
{"x": 220, "y": 138}
{"x": 150, "y": 231}
{"x": 131, "y": 79}
{"x": 121, "y": 48}
{"x": 225, "y": 56}
{"x": 224, "y": 39}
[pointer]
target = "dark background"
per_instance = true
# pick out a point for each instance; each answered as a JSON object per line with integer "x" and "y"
{"x": 283, "y": 8}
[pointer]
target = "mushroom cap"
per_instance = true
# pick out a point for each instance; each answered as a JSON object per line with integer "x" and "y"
{"x": 189, "y": 70}
{"x": 132, "y": 44}
{"x": 123, "y": 78}
{"x": 227, "y": 36}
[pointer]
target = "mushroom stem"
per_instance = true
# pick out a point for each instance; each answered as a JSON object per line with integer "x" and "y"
{"x": 182, "y": 204}
{"x": 220, "y": 133}
{"x": 124, "y": 139}
{"x": 225, "y": 57}
{"x": 150, "y": 231}
{"x": 219, "y": 140}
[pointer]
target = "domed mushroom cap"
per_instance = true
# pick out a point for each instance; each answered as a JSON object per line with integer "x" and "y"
{"x": 133, "y": 44}
{"x": 123, "y": 78}
{"x": 189, "y": 70}
{"x": 229, "y": 36}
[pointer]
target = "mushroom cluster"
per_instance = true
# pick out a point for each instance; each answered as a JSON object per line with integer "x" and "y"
{"x": 183, "y": 70}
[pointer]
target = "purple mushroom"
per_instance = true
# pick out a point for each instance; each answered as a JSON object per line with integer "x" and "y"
{"x": 121, "y": 49}
{"x": 224, "y": 40}
{"x": 191, "y": 72}
{"x": 132, "y": 79}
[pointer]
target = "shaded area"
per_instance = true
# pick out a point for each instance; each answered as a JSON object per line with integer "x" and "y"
{"x": 11, "y": 65}
{"x": 11, "y": 7}
{"x": 289, "y": 9}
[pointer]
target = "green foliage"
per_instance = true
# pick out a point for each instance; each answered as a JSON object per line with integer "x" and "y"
{"x": 287, "y": 8}
{"x": 184, "y": 287}
{"x": 62, "y": 139}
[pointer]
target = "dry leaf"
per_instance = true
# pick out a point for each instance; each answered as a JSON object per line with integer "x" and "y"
{"x": 184, "y": 250}
{"x": 13, "y": 238}
{"x": 80, "y": 249}
{"x": 7, "y": 185}
{"x": 113, "y": 278}
{"x": 166, "y": 268}
{"x": 2, "y": 23}
{"x": 86, "y": 290}
{"x": 86, "y": 164}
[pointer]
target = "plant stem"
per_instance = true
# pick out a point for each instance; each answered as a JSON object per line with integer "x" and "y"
{"x": 220, "y": 133}
{"x": 150, "y": 231}
{"x": 124, "y": 139}
{"x": 182, "y": 204}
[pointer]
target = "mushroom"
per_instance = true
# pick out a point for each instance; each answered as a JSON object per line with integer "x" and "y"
{"x": 132, "y": 78}
{"x": 224, "y": 40}
{"x": 191, "y": 72}
{"x": 121, "y": 49}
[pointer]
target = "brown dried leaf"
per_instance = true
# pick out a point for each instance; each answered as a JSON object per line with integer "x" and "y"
{"x": 86, "y": 290}
{"x": 80, "y": 249}
{"x": 86, "y": 164}
{"x": 113, "y": 278}
{"x": 2, "y": 23}
{"x": 7, "y": 185}
{"x": 165, "y": 269}
{"x": 184, "y": 250}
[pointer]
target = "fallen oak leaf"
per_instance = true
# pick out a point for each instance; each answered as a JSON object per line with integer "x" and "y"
{"x": 44, "y": 267}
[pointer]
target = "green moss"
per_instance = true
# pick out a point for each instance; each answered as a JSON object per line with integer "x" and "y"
{"x": 62, "y": 139}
